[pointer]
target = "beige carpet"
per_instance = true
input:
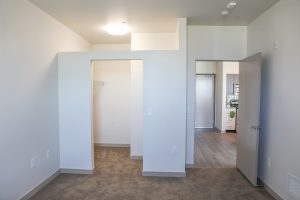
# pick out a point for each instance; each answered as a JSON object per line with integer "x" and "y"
{"x": 117, "y": 177}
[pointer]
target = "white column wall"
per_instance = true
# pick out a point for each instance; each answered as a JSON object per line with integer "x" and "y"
{"x": 137, "y": 109}
{"x": 145, "y": 42}
{"x": 164, "y": 131}
{"x": 219, "y": 95}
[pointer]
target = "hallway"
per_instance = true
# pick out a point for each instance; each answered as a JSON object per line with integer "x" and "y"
{"x": 215, "y": 150}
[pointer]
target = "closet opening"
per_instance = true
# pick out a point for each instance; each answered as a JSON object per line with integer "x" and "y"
{"x": 117, "y": 115}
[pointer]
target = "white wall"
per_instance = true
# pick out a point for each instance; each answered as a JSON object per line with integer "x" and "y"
{"x": 209, "y": 43}
{"x": 148, "y": 42}
{"x": 280, "y": 112}
{"x": 206, "y": 67}
{"x": 111, "y": 47}
{"x": 217, "y": 42}
{"x": 164, "y": 130}
{"x": 219, "y": 95}
{"x": 137, "y": 112}
{"x": 164, "y": 119}
{"x": 140, "y": 42}
{"x": 154, "y": 41}
{"x": 30, "y": 40}
{"x": 112, "y": 91}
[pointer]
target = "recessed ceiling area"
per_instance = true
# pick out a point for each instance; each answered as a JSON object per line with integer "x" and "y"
{"x": 88, "y": 17}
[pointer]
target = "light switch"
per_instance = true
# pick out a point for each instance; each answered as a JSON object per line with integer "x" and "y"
{"x": 149, "y": 111}
{"x": 275, "y": 45}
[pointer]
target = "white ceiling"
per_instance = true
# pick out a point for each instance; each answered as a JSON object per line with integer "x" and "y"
{"x": 86, "y": 17}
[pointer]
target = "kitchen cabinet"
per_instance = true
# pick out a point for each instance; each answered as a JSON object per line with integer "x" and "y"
{"x": 229, "y": 121}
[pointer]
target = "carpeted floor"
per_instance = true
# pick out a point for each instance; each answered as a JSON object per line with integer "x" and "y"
{"x": 117, "y": 177}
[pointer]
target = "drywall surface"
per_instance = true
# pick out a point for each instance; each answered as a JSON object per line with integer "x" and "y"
{"x": 164, "y": 129}
{"x": 111, "y": 47}
{"x": 206, "y": 67}
{"x": 30, "y": 40}
{"x": 279, "y": 138}
{"x": 144, "y": 42}
{"x": 164, "y": 119}
{"x": 112, "y": 90}
{"x": 154, "y": 41}
{"x": 136, "y": 111}
{"x": 217, "y": 42}
{"x": 219, "y": 95}
{"x": 209, "y": 43}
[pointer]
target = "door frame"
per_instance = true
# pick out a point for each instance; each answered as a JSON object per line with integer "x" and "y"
{"x": 191, "y": 144}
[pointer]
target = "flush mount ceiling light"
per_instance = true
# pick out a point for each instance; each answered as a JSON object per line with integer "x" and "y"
{"x": 225, "y": 13}
{"x": 231, "y": 5}
{"x": 117, "y": 29}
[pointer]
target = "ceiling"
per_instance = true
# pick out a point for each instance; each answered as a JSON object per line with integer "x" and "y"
{"x": 87, "y": 17}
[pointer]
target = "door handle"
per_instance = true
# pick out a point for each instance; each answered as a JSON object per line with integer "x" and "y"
{"x": 256, "y": 127}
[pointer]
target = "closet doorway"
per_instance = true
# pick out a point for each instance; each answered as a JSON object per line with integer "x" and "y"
{"x": 117, "y": 114}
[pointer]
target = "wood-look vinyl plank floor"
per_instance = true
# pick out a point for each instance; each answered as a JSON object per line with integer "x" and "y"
{"x": 215, "y": 150}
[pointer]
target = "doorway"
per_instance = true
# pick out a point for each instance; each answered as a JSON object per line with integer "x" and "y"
{"x": 216, "y": 114}
{"x": 117, "y": 112}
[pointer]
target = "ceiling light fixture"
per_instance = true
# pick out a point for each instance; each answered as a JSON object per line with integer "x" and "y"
{"x": 231, "y": 5}
{"x": 117, "y": 29}
{"x": 225, "y": 12}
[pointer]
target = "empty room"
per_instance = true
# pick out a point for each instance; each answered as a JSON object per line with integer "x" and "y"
{"x": 127, "y": 99}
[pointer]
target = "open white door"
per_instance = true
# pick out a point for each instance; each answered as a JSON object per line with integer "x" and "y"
{"x": 248, "y": 117}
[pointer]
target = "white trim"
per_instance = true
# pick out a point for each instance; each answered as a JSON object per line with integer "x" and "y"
{"x": 40, "y": 186}
{"x": 205, "y": 127}
{"x": 76, "y": 171}
{"x": 274, "y": 194}
{"x": 110, "y": 145}
{"x": 189, "y": 166}
{"x": 165, "y": 174}
{"x": 136, "y": 157}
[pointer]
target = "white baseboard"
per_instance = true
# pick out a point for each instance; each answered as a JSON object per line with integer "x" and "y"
{"x": 145, "y": 173}
{"x": 165, "y": 174}
{"x": 110, "y": 145}
{"x": 136, "y": 157}
{"x": 51, "y": 178}
{"x": 189, "y": 166}
{"x": 40, "y": 186}
{"x": 76, "y": 171}
{"x": 272, "y": 193}
{"x": 44, "y": 183}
